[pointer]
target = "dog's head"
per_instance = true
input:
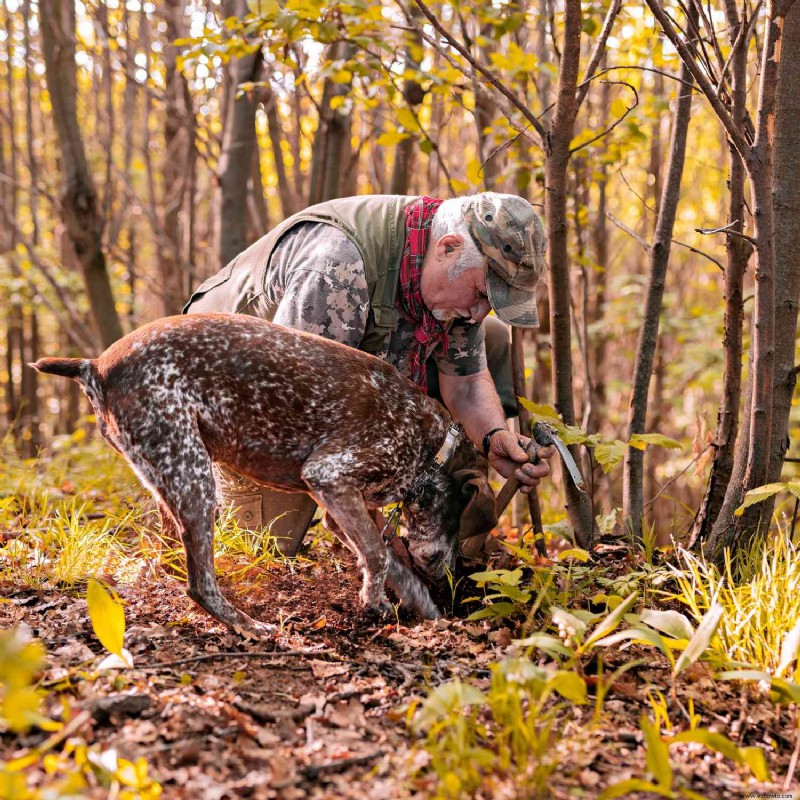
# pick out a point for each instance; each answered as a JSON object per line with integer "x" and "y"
{"x": 452, "y": 509}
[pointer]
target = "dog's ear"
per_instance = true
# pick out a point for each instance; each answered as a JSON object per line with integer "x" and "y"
{"x": 480, "y": 514}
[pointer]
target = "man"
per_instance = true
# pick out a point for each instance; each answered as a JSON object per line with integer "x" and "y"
{"x": 411, "y": 280}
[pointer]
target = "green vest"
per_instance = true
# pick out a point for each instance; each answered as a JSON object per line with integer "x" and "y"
{"x": 374, "y": 223}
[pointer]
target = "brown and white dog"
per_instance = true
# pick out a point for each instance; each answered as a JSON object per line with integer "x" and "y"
{"x": 295, "y": 412}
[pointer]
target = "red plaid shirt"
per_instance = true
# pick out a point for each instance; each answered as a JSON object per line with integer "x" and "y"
{"x": 429, "y": 331}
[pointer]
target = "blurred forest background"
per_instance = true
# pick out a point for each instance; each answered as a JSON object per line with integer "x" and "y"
{"x": 144, "y": 145}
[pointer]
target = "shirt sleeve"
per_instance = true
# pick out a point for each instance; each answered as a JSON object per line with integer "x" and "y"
{"x": 321, "y": 303}
{"x": 466, "y": 349}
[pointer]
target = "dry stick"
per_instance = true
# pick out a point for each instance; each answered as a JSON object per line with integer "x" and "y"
{"x": 792, "y": 763}
{"x": 72, "y": 727}
{"x": 224, "y": 654}
{"x": 518, "y": 370}
{"x": 647, "y": 246}
{"x": 312, "y": 770}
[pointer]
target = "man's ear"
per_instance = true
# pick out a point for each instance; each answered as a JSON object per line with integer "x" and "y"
{"x": 480, "y": 514}
{"x": 448, "y": 244}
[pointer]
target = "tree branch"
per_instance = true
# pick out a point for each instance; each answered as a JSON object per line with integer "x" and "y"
{"x": 488, "y": 76}
{"x": 599, "y": 49}
{"x": 736, "y": 136}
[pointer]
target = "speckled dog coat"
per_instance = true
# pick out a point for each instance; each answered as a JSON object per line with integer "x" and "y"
{"x": 292, "y": 411}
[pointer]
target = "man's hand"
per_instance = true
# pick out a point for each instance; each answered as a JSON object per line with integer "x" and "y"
{"x": 506, "y": 453}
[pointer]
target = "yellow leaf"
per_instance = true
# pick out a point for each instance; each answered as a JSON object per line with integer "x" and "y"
{"x": 342, "y": 76}
{"x": 391, "y": 138}
{"x": 337, "y": 101}
{"x": 107, "y": 616}
{"x": 406, "y": 119}
{"x": 475, "y": 172}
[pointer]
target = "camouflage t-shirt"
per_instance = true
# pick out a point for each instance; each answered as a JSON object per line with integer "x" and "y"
{"x": 316, "y": 283}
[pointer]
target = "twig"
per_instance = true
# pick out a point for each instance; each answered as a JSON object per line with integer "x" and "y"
{"x": 675, "y": 477}
{"x": 647, "y": 247}
{"x": 599, "y": 50}
{"x": 669, "y": 75}
{"x": 726, "y": 229}
{"x": 478, "y": 67}
{"x": 313, "y": 770}
{"x": 73, "y": 726}
{"x": 611, "y": 127}
{"x": 224, "y": 654}
{"x": 792, "y": 764}
{"x": 635, "y": 236}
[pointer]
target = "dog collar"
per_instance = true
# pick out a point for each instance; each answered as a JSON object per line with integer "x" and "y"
{"x": 449, "y": 446}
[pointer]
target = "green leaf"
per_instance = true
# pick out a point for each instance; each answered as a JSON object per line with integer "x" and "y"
{"x": 657, "y": 754}
{"x": 656, "y": 439}
{"x": 504, "y": 577}
{"x": 755, "y": 759}
{"x": 551, "y": 645}
{"x": 673, "y": 623}
{"x": 494, "y": 611}
{"x": 752, "y": 757}
{"x": 627, "y": 787}
{"x": 758, "y": 495}
{"x": 577, "y": 553}
{"x": 789, "y": 649}
{"x": 613, "y": 619}
{"x": 107, "y": 617}
{"x": 637, "y": 634}
{"x": 569, "y": 685}
{"x": 609, "y": 454}
{"x": 446, "y": 699}
{"x": 701, "y": 639}
{"x": 541, "y": 410}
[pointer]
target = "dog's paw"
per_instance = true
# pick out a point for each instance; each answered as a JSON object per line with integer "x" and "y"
{"x": 255, "y": 630}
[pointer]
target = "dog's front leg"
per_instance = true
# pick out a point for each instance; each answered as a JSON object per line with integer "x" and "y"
{"x": 357, "y": 530}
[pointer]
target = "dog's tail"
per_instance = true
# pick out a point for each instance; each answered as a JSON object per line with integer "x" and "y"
{"x": 79, "y": 369}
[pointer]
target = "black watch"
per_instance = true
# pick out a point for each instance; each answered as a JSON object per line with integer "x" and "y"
{"x": 487, "y": 440}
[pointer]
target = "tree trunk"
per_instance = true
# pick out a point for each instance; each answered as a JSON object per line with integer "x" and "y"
{"x": 238, "y": 144}
{"x": 633, "y": 474}
{"x": 739, "y": 251}
{"x": 79, "y": 202}
{"x": 331, "y": 142}
{"x": 289, "y": 204}
{"x": 178, "y": 144}
{"x": 753, "y": 451}
{"x": 413, "y": 95}
{"x": 557, "y": 158}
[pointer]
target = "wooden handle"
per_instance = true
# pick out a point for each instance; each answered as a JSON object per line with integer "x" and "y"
{"x": 511, "y": 486}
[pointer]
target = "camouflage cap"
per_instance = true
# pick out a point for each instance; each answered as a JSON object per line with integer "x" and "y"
{"x": 510, "y": 234}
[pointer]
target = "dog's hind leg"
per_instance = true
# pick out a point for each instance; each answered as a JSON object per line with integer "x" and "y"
{"x": 178, "y": 472}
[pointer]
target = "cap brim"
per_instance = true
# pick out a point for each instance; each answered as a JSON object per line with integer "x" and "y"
{"x": 515, "y": 306}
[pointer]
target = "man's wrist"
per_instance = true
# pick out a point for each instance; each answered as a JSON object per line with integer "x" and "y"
{"x": 487, "y": 440}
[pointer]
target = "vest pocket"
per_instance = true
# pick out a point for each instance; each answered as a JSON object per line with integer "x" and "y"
{"x": 206, "y": 286}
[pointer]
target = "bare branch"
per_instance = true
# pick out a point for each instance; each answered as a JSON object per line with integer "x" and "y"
{"x": 736, "y": 136}
{"x": 614, "y": 124}
{"x": 647, "y": 247}
{"x": 728, "y": 231}
{"x": 487, "y": 75}
{"x": 599, "y": 49}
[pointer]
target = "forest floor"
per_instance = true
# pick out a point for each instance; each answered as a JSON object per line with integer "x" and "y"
{"x": 323, "y": 710}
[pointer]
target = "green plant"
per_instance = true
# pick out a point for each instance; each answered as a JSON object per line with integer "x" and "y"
{"x": 71, "y": 766}
{"x": 511, "y": 729}
{"x": 758, "y": 610}
{"x": 660, "y": 779}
